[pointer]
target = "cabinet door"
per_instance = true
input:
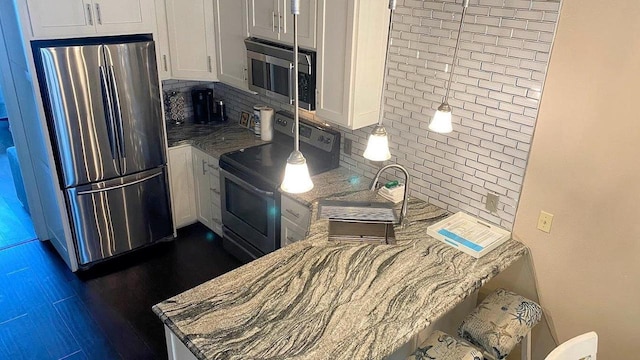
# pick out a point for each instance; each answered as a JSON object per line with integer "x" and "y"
{"x": 182, "y": 185}
{"x": 216, "y": 209}
{"x": 264, "y": 19}
{"x": 162, "y": 42}
{"x": 191, "y": 39}
{"x": 231, "y": 29}
{"x": 61, "y": 18}
{"x": 306, "y": 23}
{"x": 202, "y": 179}
{"x": 124, "y": 16}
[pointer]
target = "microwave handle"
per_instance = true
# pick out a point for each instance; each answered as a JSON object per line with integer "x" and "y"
{"x": 291, "y": 81}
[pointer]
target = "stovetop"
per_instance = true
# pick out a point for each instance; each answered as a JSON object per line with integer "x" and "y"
{"x": 264, "y": 165}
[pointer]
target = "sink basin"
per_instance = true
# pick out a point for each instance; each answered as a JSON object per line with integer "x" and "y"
{"x": 364, "y": 232}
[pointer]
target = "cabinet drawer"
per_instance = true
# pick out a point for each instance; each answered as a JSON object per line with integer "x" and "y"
{"x": 296, "y": 212}
{"x": 290, "y": 232}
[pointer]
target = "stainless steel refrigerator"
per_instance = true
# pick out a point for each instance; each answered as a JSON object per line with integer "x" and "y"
{"x": 104, "y": 113}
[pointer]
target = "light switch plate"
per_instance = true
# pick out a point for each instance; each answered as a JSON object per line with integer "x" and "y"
{"x": 544, "y": 221}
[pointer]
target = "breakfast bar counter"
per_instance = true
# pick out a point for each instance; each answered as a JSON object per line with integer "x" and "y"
{"x": 318, "y": 299}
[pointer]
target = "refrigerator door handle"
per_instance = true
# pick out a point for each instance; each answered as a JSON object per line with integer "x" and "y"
{"x": 119, "y": 186}
{"x": 106, "y": 99}
{"x": 118, "y": 113}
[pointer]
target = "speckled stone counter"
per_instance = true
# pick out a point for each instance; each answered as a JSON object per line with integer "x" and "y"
{"x": 317, "y": 299}
{"x": 334, "y": 183}
{"x": 214, "y": 140}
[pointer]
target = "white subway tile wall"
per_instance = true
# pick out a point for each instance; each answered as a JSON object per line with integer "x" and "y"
{"x": 496, "y": 89}
{"x": 184, "y": 87}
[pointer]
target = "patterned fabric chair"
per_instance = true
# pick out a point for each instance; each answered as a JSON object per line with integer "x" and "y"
{"x": 442, "y": 346}
{"x": 500, "y": 322}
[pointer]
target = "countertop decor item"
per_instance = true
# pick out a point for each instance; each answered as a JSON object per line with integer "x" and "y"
{"x": 244, "y": 119}
{"x": 175, "y": 104}
{"x": 441, "y": 121}
{"x": 296, "y": 173}
{"x": 378, "y": 144}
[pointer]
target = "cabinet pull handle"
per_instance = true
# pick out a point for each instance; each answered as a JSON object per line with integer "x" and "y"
{"x": 292, "y": 213}
{"x": 215, "y": 191}
{"x": 291, "y": 239}
{"x": 164, "y": 60}
{"x": 214, "y": 167}
{"x": 90, "y": 16}
{"x": 209, "y": 63}
{"x": 98, "y": 15}
{"x": 204, "y": 170}
{"x": 279, "y": 21}
{"x": 273, "y": 21}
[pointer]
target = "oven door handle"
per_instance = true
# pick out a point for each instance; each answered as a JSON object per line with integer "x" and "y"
{"x": 245, "y": 184}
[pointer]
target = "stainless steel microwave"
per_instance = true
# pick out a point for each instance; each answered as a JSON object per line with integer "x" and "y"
{"x": 270, "y": 68}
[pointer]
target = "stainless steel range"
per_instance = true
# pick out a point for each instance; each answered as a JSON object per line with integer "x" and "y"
{"x": 250, "y": 178}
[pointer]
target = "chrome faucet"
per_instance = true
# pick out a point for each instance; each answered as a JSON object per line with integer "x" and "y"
{"x": 403, "y": 213}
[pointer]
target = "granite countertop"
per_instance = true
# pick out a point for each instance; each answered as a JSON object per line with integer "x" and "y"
{"x": 214, "y": 140}
{"x": 317, "y": 299}
{"x": 336, "y": 182}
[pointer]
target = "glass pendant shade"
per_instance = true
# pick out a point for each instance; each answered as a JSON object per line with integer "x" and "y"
{"x": 296, "y": 175}
{"x": 441, "y": 121}
{"x": 378, "y": 145}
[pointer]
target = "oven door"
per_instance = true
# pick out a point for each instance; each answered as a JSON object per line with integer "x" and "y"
{"x": 249, "y": 212}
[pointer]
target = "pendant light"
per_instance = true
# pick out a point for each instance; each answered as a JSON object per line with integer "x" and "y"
{"x": 296, "y": 174}
{"x": 441, "y": 121}
{"x": 378, "y": 144}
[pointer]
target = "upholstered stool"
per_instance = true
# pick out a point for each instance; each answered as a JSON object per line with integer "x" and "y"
{"x": 442, "y": 346}
{"x": 500, "y": 322}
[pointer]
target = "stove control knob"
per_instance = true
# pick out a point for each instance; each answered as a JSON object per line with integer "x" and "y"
{"x": 327, "y": 141}
{"x": 284, "y": 122}
{"x": 320, "y": 138}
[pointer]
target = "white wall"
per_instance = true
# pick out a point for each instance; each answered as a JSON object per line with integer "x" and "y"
{"x": 584, "y": 169}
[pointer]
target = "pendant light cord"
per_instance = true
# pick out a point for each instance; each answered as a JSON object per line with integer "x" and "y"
{"x": 296, "y": 111}
{"x": 465, "y": 4}
{"x": 392, "y": 7}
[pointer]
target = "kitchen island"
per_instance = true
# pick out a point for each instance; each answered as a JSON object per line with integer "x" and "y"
{"x": 317, "y": 299}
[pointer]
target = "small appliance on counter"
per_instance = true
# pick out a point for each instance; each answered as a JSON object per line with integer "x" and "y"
{"x": 207, "y": 109}
{"x": 219, "y": 111}
{"x": 175, "y": 107}
{"x": 203, "y": 105}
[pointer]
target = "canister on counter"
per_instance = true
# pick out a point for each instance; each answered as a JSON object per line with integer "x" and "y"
{"x": 256, "y": 118}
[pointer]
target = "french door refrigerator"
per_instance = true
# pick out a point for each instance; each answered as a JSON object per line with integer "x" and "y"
{"x": 104, "y": 114}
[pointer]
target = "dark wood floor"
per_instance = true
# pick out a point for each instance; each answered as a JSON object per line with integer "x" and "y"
{"x": 47, "y": 312}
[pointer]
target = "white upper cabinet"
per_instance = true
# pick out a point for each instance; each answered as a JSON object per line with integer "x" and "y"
{"x": 162, "y": 42}
{"x": 71, "y": 18}
{"x": 231, "y": 28}
{"x": 352, "y": 37}
{"x": 306, "y": 24}
{"x": 272, "y": 20}
{"x": 191, "y": 39}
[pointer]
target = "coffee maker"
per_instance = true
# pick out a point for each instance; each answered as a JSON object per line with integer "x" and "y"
{"x": 206, "y": 109}
{"x": 203, "y": 105}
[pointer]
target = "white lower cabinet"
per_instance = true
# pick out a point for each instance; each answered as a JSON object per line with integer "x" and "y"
{"x": 295, "y": 221}
{"x": 182, "y": 185}
{"x": 206, "y": 175}
{"x": 176, "y": 349}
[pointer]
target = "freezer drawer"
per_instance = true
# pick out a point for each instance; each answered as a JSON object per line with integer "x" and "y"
{"x": 119, "y": 215}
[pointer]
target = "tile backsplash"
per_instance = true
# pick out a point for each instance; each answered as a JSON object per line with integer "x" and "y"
{"x": 502, "y": 62}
